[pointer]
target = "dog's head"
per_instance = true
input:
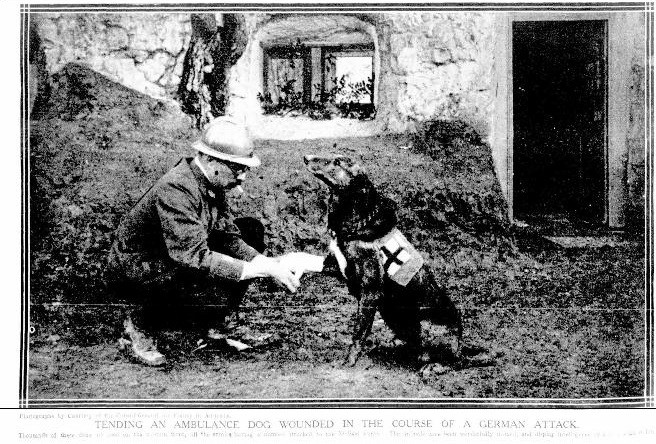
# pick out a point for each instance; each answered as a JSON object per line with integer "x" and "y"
{"x": 357, "y": 210}
{"x": 335, "y": 171}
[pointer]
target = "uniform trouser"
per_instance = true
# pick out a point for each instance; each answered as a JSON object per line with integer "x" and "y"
{"x": 181, "y": 298}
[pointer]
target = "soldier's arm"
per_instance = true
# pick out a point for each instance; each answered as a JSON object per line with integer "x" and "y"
{"x": 185, "y": 235}
{"x": 186, "y": 240}
{"x": 228, "y": 240}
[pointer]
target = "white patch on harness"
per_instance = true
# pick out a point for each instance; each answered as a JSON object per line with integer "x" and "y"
{"x": 392, "y": 244}
{"x": 341, "y": 260}
{"x": 399, "y": 258}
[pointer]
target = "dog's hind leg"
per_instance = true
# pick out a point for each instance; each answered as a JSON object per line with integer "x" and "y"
{"x": 403, "y": 320}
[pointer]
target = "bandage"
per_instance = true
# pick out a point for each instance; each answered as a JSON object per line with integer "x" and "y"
{"x": 302, "y": 262}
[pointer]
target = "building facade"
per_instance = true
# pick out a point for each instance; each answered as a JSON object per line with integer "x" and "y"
{"x": 559, "y": 97}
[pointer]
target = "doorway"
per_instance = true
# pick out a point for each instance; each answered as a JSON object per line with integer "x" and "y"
{"x": 560, "y": 131}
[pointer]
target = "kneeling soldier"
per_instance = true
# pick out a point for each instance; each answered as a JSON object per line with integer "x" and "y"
{"x": 179, "y": 241}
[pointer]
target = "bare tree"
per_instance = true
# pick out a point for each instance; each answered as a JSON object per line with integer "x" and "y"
{"x": 216, "y": 44}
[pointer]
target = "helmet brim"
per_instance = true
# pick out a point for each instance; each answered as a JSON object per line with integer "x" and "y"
{"x": 251, "y": 161}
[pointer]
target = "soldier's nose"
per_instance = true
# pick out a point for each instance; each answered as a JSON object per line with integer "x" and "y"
{"x": 307, "y": 159}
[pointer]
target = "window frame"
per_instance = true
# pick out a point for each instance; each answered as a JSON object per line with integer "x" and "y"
{"x": 279, "y": 51}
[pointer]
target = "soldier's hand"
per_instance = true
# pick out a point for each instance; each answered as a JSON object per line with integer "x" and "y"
{"x": 286, "y": 276}
{"x": 262, "y": 266}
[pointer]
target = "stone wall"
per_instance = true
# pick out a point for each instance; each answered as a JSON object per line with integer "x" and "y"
{"x": 430, "y": 64}
{"x": 427, "y": 64}
{"x": 142, "y": 51}
{"x": 435, "y": 65}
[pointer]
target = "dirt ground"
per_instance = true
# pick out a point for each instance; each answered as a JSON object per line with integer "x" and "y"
{"x": 558, "y": 337}
{"x": 567, "y": 319}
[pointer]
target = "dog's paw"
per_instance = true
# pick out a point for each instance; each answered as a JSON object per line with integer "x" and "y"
{"x": 433, "y": 369}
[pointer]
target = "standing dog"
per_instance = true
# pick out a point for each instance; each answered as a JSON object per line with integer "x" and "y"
{"x": 385, "y": 273}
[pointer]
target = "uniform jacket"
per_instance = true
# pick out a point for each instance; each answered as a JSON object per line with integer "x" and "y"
{"x": 170, "y": 226}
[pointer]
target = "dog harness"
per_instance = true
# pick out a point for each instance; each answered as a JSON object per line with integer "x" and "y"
{"x": 400, "y": 260}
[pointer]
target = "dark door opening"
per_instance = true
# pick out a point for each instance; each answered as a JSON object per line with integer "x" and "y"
{"x": 559, "y": 115}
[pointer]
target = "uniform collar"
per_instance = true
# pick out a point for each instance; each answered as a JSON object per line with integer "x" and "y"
{"x": 201, "y": 178}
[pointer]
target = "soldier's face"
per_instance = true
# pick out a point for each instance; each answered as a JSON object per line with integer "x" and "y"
{"x": 224, "y": 175}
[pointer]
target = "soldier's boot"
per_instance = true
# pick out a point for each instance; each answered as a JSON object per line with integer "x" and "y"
{"x": 137, "y": 345}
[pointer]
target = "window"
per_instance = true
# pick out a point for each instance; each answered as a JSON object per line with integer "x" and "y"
{"x": 349, "y": 76}
{"x": 356, "y": 70}
{"x": 285, "y": 79}
{"x": 320, "y": 80}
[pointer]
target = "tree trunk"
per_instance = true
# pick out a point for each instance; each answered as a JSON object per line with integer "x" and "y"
{"x": 215, "y": 47}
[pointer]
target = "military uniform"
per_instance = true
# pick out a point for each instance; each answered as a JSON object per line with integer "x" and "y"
{"x": 177, "y": 240}
{"x": 180, "y": 238}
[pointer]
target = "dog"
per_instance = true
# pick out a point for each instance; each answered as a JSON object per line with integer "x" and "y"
{"x": 385, "y": 273}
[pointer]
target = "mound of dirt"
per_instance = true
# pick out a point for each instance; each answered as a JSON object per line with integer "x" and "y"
{"x": 95, "y": 147}
{"x": 467, "y": 194}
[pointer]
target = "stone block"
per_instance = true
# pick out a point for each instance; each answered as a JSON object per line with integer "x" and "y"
{"x": 174, "y": 38}
{"x": 116, "y": 38}
{"x": 119, "y": 67}
{"x": 408, "y": 60}
{"x": 48, "y": 31}
{"x": 169, "y": 80}
{"x": 154, "y": 67}
{"x": 440, "y": 56}
{"x": 179, "y": 67}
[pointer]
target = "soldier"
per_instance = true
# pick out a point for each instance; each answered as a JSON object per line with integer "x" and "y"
{"x": 179, "y": 241}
